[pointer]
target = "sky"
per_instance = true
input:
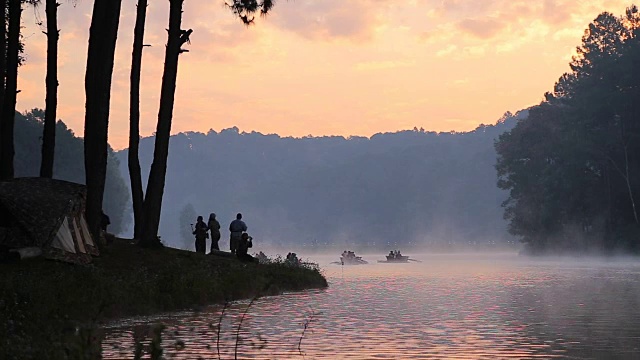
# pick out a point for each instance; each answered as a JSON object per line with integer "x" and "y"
{"x": 324, "y": 67}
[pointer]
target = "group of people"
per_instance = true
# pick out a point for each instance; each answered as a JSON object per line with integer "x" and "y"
{"x": 239, "y": 241}
{"x": 394, "y": 254}
{"x": 292, "y": 259}
{"x": 348, "y": 254}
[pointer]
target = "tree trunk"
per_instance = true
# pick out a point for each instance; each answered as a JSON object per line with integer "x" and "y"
{"x": 155, "y": 185}
{"x": 137, "y": 196}
{"x": 51, "y": 101}
{"x": 11, "y": 90}
{"x": 3, "y": 58}
{"x": 100, "y": 58}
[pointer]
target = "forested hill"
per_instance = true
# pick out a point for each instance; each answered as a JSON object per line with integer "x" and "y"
{"x": 69, "y": 164}
{"x": 404, "y": 187}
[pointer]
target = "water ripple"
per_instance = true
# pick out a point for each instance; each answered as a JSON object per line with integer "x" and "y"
{"x": 459, "y": 307}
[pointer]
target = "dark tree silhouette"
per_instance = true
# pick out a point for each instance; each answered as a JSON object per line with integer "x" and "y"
{"x": 244, "y": 9}
{"x": 155, "y": 185}
{"x": 100, "y": 58}
{"x": 51, "y": 100}
{"x": 137, "y": 195}
{"x": 572, "y": 168}
{"x": 3, "y": 57}
{"x": 7, "y": 151}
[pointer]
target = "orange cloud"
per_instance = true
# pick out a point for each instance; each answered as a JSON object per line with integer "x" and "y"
{"x": 354, "y": 20}
{"x": 481, "y": 28}
{"x": 353, "y": 67}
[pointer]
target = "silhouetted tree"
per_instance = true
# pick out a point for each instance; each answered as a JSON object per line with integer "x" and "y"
{"x": 572, "y": 168}
{"x": 11, "y": 90}
{"x": 51, "y": 100}
{"x": 155, "y": 185}
{"x": 100, "y": 58}
{"x": 176, "y": 38}
{"x": 137, "y": 195}
{"x": 3, "y": 58}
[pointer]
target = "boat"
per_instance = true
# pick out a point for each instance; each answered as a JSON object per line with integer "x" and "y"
{"x": 350, "y": 258}
{"x": 396, "y": 257}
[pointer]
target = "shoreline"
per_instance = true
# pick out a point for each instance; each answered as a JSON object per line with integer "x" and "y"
{"x": 49, "y": 307}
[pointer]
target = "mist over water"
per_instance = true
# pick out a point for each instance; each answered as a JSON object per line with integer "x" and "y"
{"x": 465, "y": 306}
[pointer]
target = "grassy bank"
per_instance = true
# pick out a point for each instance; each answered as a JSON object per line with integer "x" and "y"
{"x": 42, "y": 302}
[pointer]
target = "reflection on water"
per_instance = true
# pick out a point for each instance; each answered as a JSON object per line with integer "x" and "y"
{"x": 449, "y": 306}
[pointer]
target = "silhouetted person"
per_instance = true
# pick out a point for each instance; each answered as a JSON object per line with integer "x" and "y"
{"x": 237, "y": 227}
{"x": 214, "y": 227}
{"x": 391, "y": 254}
{"x": 201, "y": 235}
{"x": 244, "y": 244}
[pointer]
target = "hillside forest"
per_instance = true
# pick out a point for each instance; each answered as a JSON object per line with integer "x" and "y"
{"x": 408, "y": 188}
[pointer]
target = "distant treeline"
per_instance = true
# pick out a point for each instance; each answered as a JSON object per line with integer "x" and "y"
{"x": 393, "y": 188}
{"x": 573, "y": 166}
{"x": 68, "y": 164}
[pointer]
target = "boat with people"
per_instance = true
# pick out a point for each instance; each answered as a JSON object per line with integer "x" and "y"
{"x": 396, "y": 257}
{"x": 350, "y": 258}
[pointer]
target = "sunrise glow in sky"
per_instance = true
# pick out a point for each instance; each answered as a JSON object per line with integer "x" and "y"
{"x": 325, "y": 67}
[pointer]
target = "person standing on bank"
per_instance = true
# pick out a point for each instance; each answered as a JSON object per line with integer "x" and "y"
{"x": 237, "y": 227}
{"x": 201, "y": 235}
{"x": 214, "y": 227}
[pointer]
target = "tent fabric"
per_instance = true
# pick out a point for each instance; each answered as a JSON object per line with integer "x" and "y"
{"x": 64, "y": 238}
{"x": 77, "y": 234}
{"x": 46, "y": 213}
{"x": 88, "y": 239}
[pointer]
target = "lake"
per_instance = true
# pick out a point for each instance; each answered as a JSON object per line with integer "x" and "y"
{"x": 462, "y": 306}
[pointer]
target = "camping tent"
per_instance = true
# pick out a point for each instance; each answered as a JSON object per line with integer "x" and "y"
{"x": 46, "y": 213}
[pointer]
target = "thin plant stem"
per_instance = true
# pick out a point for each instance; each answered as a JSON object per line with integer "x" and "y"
{"x": 235, "y": 352}
{"x": 226, "y": 305}
{"x": 304, "y": 330}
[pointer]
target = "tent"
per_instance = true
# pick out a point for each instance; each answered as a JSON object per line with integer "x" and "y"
{"x": 47, "y": 214}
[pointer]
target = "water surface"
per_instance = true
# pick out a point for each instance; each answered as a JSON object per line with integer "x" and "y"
{"x": 448, "y": 306}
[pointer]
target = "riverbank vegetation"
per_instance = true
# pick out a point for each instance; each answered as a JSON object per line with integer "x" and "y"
{"x": 573, "y": 166}
{"x": 49, "y": 309}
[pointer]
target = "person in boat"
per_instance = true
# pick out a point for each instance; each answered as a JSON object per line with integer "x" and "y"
{"x": 201, "y": 235}
{"x": 398, "y": 255}
{"x": 237, "y": 227}
{"x": 245, "y": 243}
{"x": 392, "y": 255}
{"x": 214, "y": 228}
